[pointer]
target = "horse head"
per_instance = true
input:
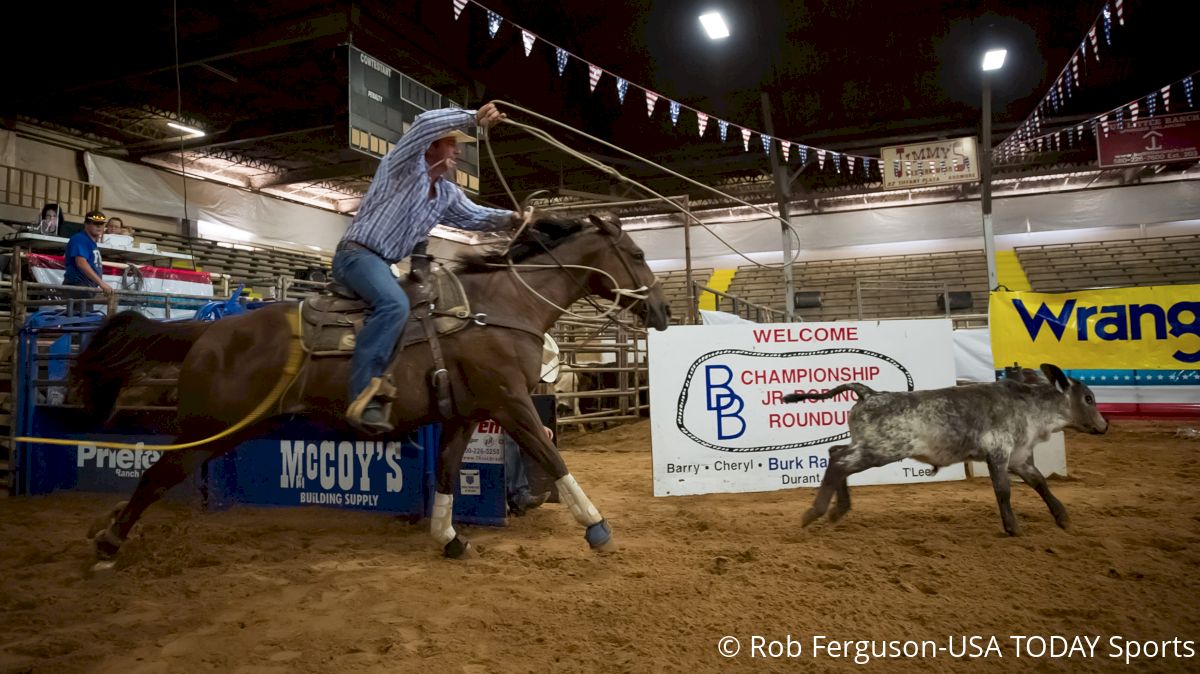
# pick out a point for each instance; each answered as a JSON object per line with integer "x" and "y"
{"x": 637, "y": 288}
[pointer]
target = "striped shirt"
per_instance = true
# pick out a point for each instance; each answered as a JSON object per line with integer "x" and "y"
{"x": 397, "y": 212}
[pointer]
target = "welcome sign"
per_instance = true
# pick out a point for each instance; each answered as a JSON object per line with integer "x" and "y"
{"x": 718, "y": 422}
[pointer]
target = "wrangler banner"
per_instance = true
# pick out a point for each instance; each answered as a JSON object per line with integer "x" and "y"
{"x": 1139, "y": 328}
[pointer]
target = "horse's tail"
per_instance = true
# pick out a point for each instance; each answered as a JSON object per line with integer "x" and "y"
{"x": 126, "y": 345}
{"x": 860, "y": 390}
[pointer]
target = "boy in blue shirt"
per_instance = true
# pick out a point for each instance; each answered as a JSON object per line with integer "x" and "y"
{"x": 82, "y": 266}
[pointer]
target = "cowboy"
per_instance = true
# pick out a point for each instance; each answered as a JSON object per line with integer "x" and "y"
{"x": 413, "y": 191}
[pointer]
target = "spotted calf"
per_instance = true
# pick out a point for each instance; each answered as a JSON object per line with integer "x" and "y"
{"x": 997, "y": 422}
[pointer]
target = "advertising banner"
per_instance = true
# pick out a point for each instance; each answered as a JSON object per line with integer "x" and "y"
{"x": 1137, "y": 328}
{"x": 935, "y": 163}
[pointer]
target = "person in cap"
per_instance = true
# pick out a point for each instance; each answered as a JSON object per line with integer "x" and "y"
{"x": 413, "y": 190}
{"x": 82, "y": 266}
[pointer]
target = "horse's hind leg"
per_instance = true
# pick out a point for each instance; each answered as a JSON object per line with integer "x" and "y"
{"x": 523, "y": 424}
{"x": 456, "y": 434}
{"x": 171, "y": 469}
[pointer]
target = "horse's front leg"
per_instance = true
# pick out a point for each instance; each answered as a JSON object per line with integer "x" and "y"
{"x": 455, "y": 435}
{"x": 523, "y": 424}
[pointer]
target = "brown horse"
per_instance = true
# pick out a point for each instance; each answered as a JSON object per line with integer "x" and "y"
{"x": 229, "y": 366}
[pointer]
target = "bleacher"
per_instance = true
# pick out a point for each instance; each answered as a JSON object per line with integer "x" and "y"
{"x": 242, "y": 262}
{"x": 1162, "y": 260}
{"x": 675, "y": 290}
{"x": 889, "y": 286}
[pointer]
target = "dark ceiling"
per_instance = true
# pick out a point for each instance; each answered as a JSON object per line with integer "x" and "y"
{"x": 267, "y": 79}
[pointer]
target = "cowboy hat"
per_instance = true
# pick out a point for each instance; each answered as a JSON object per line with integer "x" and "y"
{"x": 458, "y": 136}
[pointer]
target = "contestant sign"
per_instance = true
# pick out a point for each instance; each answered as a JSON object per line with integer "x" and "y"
{"x": 718, "y": 422}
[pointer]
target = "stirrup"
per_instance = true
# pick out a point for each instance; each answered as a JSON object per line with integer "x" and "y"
{"x": 379, "y": 388}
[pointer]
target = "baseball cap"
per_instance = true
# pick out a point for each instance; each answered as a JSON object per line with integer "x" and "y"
{"x": 95, "y": 218}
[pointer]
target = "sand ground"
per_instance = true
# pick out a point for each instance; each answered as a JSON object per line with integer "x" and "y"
{"x": 316, "y": 590}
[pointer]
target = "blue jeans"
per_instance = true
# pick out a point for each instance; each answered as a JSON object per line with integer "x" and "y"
{"x": 368, "y": 275}
{"x": 516, "y": 478}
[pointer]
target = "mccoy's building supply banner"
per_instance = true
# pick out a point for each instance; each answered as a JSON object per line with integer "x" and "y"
{"x": 718, "y": 422}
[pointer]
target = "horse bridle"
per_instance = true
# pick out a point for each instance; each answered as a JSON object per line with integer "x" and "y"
{"x": 639, "y": 294}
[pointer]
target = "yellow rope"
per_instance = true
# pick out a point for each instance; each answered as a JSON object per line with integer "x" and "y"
{"x": 290, "y": 369}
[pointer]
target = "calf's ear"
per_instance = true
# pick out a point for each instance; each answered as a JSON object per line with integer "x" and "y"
{"x": 1056, "y": 376}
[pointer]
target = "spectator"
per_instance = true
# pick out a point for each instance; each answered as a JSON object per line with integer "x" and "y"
{"x": 82, "y": 264}
{"x": 48, "y": 221}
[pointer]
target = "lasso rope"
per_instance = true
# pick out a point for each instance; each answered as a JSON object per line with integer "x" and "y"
{"x": 554, "y": 142}
{"x": 291, "y": 368}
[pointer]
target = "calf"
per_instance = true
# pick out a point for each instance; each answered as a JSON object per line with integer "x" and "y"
{"x": 998, "y": 422}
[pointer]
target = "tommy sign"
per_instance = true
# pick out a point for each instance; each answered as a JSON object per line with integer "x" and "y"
{"x": 718, "y": 423}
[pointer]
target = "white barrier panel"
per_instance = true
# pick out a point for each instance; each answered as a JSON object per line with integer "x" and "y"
{"x": 717, "y": 420}
{"x": 1050, "y": 457}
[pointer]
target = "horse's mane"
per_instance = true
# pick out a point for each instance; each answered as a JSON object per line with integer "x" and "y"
{"x": 541, "y": 235}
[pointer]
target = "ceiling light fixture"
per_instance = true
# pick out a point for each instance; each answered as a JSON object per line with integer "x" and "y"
{"x": 994, "y": 59}
{"x": 186, "y": 129}
{"x": 714, "y": 25}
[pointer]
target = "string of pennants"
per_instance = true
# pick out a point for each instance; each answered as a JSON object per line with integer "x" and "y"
{"x": 1156, "y": 102}
{"x": 596, "y": 74}
{"x": 1069, "y": 80}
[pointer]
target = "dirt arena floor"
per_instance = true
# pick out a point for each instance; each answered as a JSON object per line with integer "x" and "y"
{"x": 313, "y": 590}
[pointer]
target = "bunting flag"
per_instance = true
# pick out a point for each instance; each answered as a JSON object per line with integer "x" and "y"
{"x": 1166, "y": 94}
{"x": 1120, "y": 115}
{"x": 837, "y": 161}
{"x": 1134, "y": 108}
{"x": 1151, "y": 103}
{"x": 594, "y": 73}
{"x": 493, "y": 23}
{"x": 1104, "y": 124}
{"x": 651, "y": 99}
{"x": 1107, "y": 25}
{"x": 1120, "y": 12}
{"x": 1095, "y": 47}
{"x": 850, "y": 158}
{"x": 1075, "y": 67}
{"x": 1187, "y": 89}
{"x": 821, "y": 159}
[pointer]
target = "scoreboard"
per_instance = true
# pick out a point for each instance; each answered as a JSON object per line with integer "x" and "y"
{"x": 383, "y": 104}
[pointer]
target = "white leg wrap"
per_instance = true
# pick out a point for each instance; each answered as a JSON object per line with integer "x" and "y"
{"x": 440, "y": 525}
{"x": 573, "y": 497}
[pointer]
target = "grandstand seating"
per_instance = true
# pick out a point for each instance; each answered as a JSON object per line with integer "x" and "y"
{"x": 1162, "y": 260}
{"x": 241, "y": 262}
{"x": 889, "y": 286}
